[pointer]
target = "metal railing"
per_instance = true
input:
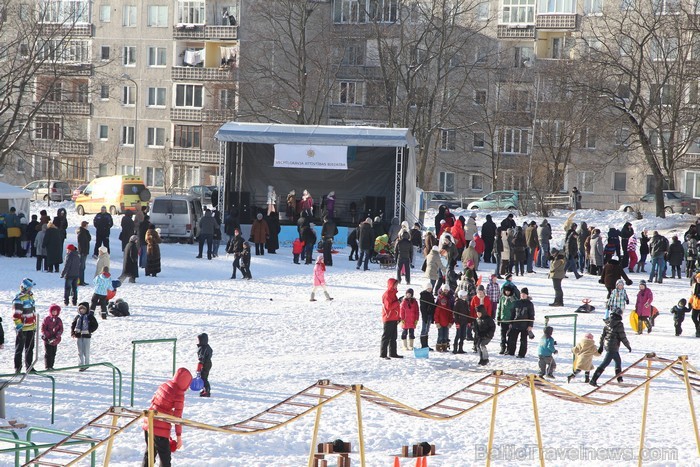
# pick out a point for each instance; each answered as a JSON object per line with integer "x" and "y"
{"x": 27, "y": 446}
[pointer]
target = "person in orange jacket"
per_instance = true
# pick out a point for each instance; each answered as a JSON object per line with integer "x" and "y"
{"x": 390, "y": 318}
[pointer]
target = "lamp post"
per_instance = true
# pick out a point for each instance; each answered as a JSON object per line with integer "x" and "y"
{"x": 136, "y": 121}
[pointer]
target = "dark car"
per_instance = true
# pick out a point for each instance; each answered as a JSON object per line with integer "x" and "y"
{"x": 79, "y": 191}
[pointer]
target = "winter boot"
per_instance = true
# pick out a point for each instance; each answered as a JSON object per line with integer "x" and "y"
{"x": 572, "y": 376}
{"x": 619, "y": 378}
{"x": 313, "y": 299}
{"x": 424, "y": 342}
{"x": 328, "y": 297}
{"x": 596, "y": 375}
{"x": 460, "y": 349}
{"x": 588, "y": 376}
{"x": 405, "y": 345}
{"x": 410, "y": 344}
{"x": 454, "y": 347}
{"x": 503, "y": 350}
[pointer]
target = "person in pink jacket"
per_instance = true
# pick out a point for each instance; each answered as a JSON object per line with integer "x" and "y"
{"x": 320, "y": 279}
{"x": 643, "y": 306}
{"x": 409, "y": 315}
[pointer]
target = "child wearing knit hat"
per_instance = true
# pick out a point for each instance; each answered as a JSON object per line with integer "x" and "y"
{"x": 51, "y": 332}
{"x": 583, "y": 357}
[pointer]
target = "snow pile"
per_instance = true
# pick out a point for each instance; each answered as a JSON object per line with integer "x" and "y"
{"x": 269, "y": 342}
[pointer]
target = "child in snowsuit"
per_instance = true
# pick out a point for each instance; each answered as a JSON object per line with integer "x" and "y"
{"x": 643, "y": 306}
{"x": 427, "y": 311}
{"x": 583, "y": 357}
{"x": 679, "y": 312}
{"x": 443, "y": 318}
{"x": 545, "y": 352}
{"x": 613, "y": 335}
{"x": 84, "y": 324}
{"x": 320, "y": 279}
{"x": 297, "y": 248}
{"x": 618, "y": 299}
{"x": 103, "y": 284}
{"x": 24, "y": 319}
{"x": 505, "y": 315}
{"x": 461, "y": 318}
{"x": 245, "y": 261}
{"x": 484, "y": 330}
{"x": 51, "y": 331}
{"x": 204, "y": 354}
{"x": 408, "y": 312}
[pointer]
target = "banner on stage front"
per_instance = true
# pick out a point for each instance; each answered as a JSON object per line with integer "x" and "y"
{"x": 302, "y": 156}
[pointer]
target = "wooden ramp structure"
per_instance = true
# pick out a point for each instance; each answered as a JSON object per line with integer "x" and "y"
{"x": 103, "y": 429}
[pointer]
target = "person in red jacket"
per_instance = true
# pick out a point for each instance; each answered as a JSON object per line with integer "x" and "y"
{"x": 479, "y": 299}
{"x": 479, "y": 244}
{"x": 390, "y": 318}
{"x": 297, "y": 248}
{"x": 443, "y": 318}
{"x": 457, "y": 232}
{"x": 169, "y": 399}
{"x": 409, "y": 314}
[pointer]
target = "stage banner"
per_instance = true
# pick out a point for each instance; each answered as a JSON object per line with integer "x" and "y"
{"x": 300, "y": 156}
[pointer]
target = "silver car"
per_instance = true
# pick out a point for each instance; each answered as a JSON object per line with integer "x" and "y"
{"x": 55, "y": 190}
{"x": 674, "y": 202}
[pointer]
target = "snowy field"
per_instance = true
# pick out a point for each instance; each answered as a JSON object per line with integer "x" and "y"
{"x": 270, "y": 342}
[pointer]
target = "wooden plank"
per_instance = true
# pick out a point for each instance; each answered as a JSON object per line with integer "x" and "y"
{"x": 315, "y": 396}
{"x": 448, "y": 407}
{"x": 104, "y": 425}
{"x": 434, "y": 414}
{"x": 468, "y": 401}
{"x": 282, "y": 412}
{"x": 603, "y": 391}
{"x": 481, "y": 393}
{"x": 300, "y": 404}
{"x": 66, "y": 451}
{"x": 598, "y": 399}
{"x": 85, "y": 438}
{"x": 269, "y": 422}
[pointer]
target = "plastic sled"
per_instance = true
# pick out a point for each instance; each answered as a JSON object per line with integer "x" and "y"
{"x": 634, "y": 322}
{"x": 197, "y": 383}
{"x": 111, "y": 294}
{"x": 586, "y": 307}
{"x": 421, "y": 352}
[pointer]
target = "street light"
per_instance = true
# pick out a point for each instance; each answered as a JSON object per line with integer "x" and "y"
{"x": 136, "y": 121}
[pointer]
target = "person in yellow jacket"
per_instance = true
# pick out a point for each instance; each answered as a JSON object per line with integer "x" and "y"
{"x": 694, "y": 304}
{"x": 583, "y": 357}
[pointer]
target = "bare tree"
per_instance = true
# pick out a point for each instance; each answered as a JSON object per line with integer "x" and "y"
{"x": 643, "y": 59}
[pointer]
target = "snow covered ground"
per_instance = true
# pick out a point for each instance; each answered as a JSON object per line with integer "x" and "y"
{"x": 269, "y": 342}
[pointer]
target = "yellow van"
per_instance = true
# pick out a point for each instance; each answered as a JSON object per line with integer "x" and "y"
{"x": 119, "y": 193}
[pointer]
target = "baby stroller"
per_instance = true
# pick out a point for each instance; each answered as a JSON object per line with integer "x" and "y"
{"x": 383, "y": 253}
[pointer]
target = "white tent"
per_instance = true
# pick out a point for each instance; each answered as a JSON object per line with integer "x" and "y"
{"x": 14, "y": 196}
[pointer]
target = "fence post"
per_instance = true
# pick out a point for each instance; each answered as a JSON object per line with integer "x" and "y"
{"x": 644, "y": 414}
{"x": 489, "y": 446}
{"x": 361, "y": 437}
{"x": 314, "y": 435}
{"x": 538, "y": 432}
{"x": 691, "y": 404}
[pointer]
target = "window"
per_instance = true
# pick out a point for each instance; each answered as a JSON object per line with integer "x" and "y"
{"x": 480, "y": 97}
{"x": 188, "y": 95}
{"x": 626, "y": 5}
{"x": 187, "y": 136}
{"x": 620, "y": 181}
{"x": 65, "y": 50}
{"x": 129, "y": 56}
{"x": 520, "y": 100}
{"x": 105, "y": 13}
{"x": 156, "y": 137}
{"x": 593, "y": 45}
{"x": 479, "y": 140}
{"x": 103, "y": 131}
{"x": 666, "y": 7}
{"x": 128, "y": 95}
{"x": 514, "y": 141}
{"x": 482, "y": 55}
{"x": 350, "y": 93}
{"x": 665, "y": 48}
{"x": 157, "y": 16}
{"x": 518, "y": 12}
{"x": 155, "y": 177}
{"x": 593, "y": 7}
{"x": 693, "y": 92}
{"x": 482, "y": 11}
{"x": 47, "y": 128}
{"x": 588, "y": 138}
{"x": 549, "y": 132}
{"x": 446, "y": 182}
{"x": 156, "y": 56}
{"x": 584, "y": 181}
{"x": 127, "y": 136}
{"x": 349, "y": 11}
{"x": 191, "y": 12}
{"x": 156, "y": 97}
{"x": 375, "y": 93}
{"x": 383, "y": 11}
{"x": 523, "y": 56}
{"x": 657, "y": 142}
{"x": 104, "y": 91}
{"x": 127, "y": 170}
{"x": 227, "y": 99}
{"x": 102, "y": 170}
{"x": 104, "y": 52}
{"x": 661, "y": 94}
{"x": 477, "y": 182}
{"x": 354, "y": 53}
{"x": 447, "y": 139}
{"x": 54, "y": 92}
{"x": 129, "y": 19}
{"x": 622, "y": 137}
{"x": 65, "y": 11}
{"x": 20, "y": 165}
{"x": 556, "y": 6}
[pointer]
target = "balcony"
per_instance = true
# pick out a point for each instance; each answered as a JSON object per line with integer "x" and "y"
{"x": 562, "y": 22}
{"x": 194, "y": 155}
{"x": 67, "y": 69}
{"x": 203, "y": 31}
{"x": 202, "y": 115}
{"x": 67, "y": 108}
{"x": 192, "y": 73}
{"x": 60, "y": 30}
{"x": 515, "y": 31}
{"x": 80, "y": 148}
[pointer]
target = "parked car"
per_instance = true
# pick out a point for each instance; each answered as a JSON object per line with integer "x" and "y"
{"x": 436, "y": 199}
{"x": 198, "y": 190}
{"x": 119, "y": 193}
{"x": 176, "y": 216}
{"x": 499, "y": 200}
{"x": 44, "y": 189}
{"x": 674, "y": 201}
{"x": 79, "y": 191}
